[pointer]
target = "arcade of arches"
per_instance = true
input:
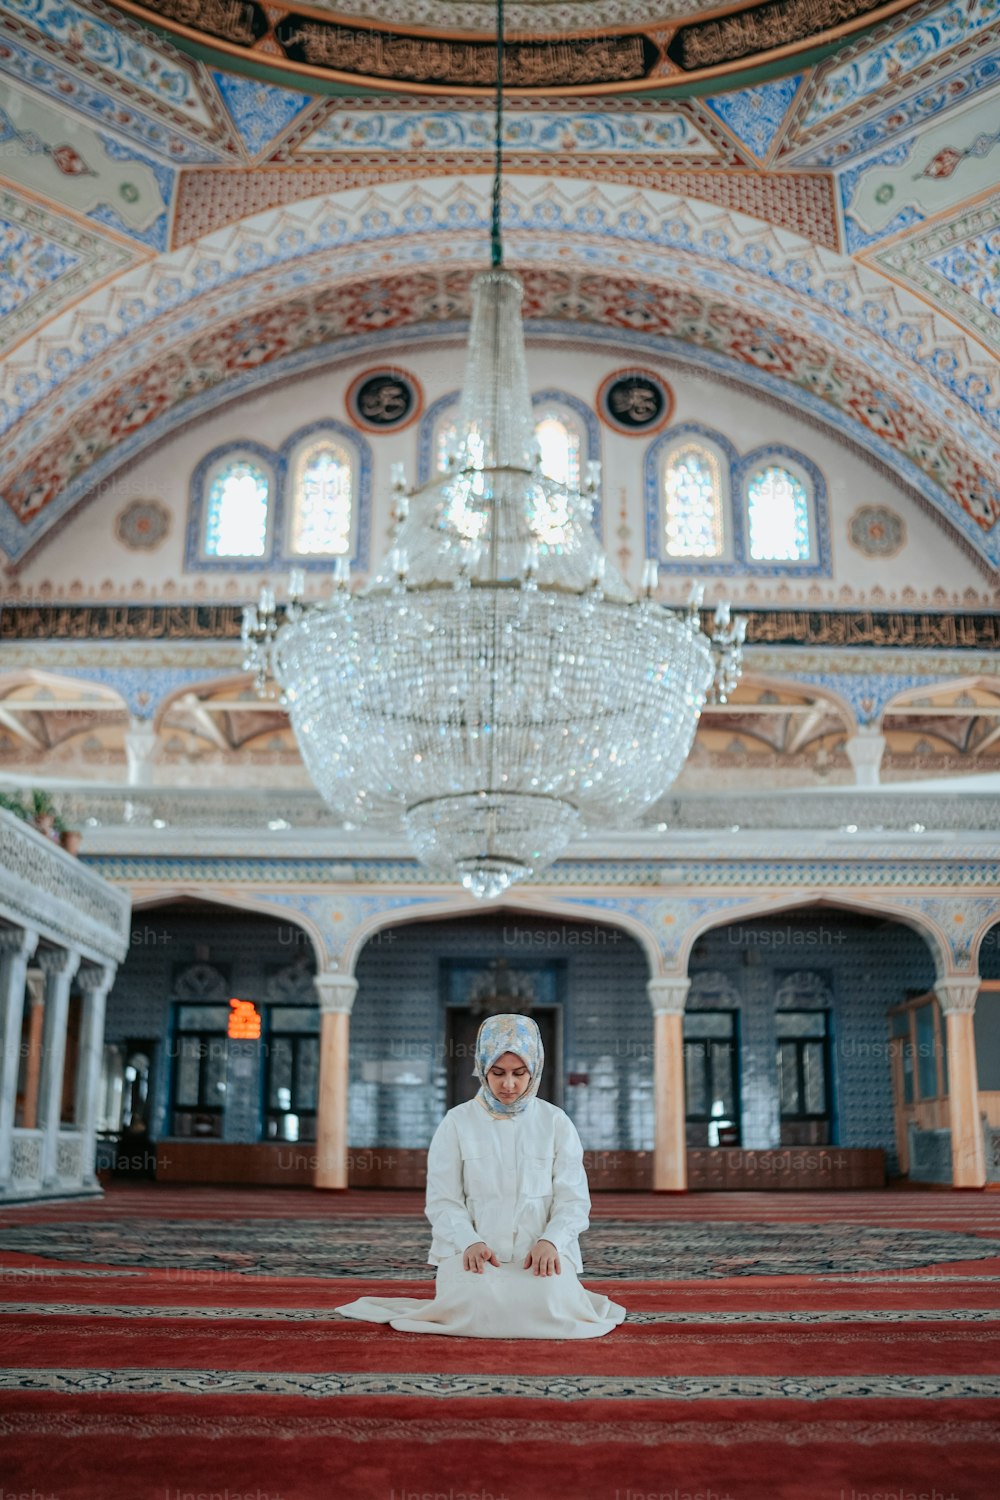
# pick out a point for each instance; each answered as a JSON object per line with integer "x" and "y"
{"x": 813, "y": 1047}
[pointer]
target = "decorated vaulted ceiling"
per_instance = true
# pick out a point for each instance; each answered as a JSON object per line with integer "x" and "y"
{"x": 186, "y": 216}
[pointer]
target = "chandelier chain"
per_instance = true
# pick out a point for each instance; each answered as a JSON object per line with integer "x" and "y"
{"x": 496, "y": 242}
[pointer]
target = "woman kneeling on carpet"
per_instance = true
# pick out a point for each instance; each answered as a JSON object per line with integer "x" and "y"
{"x": 507, "y": 1199}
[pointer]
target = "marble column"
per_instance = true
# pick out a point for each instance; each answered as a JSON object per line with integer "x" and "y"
{"x": 59, "y": 965}
{"x": 95, "y": 980}
{"x": 957, "y": 996}
{"x": 667, "y": 996}
{"x": 865, "y": 751}
{"x": 140, "y": 752}
{"x": 336, "y": 999}
{"x": 33, "y": 1062}
{"x": 17, "y": 944}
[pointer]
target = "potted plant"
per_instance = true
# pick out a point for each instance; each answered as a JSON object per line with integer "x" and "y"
{"x": 44, "y": 813}
{"x": 11, "y": 802}
{"x": 69, "y": 838}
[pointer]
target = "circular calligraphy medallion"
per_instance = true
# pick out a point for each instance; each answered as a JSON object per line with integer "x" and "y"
{"x": 384, "y": 400}
{"x": 635, "y": 401}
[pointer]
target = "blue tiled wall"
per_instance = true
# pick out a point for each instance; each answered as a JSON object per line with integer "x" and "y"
{"x": 247, "y": 948}
{"x": 865, "y": 964}
{"x": 599, "y": 974}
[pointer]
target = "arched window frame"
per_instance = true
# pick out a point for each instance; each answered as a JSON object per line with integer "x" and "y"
{"x": 444, "y": 409}
{"x": 359, "y": 452}
{"x": 570, "y": 409}
{"x": 279, "y": 467}
{"x": 576, "y": 413}
{"x": 737, "y": 472}
{"x": 204, "y": 476}
{"x": 658, "y": 456}
{"x": 811, "y": 478}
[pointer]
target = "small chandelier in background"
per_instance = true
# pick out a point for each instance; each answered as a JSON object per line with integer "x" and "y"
{"x": 496, "y": 687}
{"x": 499, "y": 989}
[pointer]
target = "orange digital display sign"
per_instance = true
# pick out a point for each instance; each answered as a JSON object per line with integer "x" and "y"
{"x": 244, "y": 1020}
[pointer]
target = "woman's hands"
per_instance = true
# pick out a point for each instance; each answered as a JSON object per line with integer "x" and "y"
{"x": 477, "y": 1256}
{"x": 544, "y": 1257}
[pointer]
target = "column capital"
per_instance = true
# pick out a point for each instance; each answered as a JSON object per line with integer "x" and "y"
{"x": 668, "y": 994}
{"x": 336, "y": 993}
{"x": 957, "y": 993}
{"x": 865, "y": 751}
{"x": 19, "y": 942}
{"x": 57, "y": 961}
{"x": 95, "y": 977}
{"x": 35, "y": 983}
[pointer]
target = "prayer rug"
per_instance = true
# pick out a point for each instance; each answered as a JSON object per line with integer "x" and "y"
{"x": 164, "y": 1345}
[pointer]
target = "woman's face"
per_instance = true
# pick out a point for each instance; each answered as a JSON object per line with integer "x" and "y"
{"x": 509, "y": 1078}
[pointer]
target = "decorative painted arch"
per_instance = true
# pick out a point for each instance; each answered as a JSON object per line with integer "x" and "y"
{"x": 991, "y": 923}
{"x": 836, "y": 702}
{"x": 946, "y": 688}
{"x": 147, "y": 897}
{"x": 235, "y": 681}
{"x": 289, "y": 289}
{"x": 34, "y": 706}
{"x": 432, "y": 908}
{"x": 820, "y": 713}
{"x": 918, "y": 921}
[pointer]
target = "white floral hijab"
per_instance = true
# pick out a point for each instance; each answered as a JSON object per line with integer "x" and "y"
{"x": 508, "y": 1033}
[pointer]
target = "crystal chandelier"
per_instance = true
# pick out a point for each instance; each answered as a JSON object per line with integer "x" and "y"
{"x": 496, "y": 686}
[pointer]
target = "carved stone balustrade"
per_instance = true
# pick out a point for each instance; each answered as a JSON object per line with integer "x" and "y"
{"x": 62, "y": 930}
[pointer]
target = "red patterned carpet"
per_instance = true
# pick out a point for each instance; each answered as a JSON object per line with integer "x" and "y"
{"x": 151, "y": 1354}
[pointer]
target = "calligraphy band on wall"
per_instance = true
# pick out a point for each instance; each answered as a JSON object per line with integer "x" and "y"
{"x": 898, "y": 629}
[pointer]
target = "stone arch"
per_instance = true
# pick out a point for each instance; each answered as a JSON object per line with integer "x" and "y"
{"x": 210, "y": 685}
{"x": 990, "y": 924}
{"x": 771, "y": 906}
{"x": 148, "y": 898}
{"x": 431, "y": 909}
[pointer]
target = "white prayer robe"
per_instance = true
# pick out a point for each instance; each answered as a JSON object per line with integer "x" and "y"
{"x": 507, "y": 1182}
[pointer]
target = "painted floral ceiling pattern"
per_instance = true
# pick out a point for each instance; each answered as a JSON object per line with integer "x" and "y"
{"x": 174, "y": 232}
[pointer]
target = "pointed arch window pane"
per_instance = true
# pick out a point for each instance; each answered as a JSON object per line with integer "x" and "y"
{"x": 322, "y": 498}
{"x": 445, "y": 445}
{"x": 693, "y": 503}
{"x": 559, "y": 444}
{"x": 778, "y": 510}
{"x": 559, "y": 447}
{"x": 237, "y": 511}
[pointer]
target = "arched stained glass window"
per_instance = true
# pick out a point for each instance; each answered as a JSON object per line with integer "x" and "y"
{"x": 560, "y": 445}
{"x": 322, "y": 501}
{"x": 778, "y": 516}
{"x": 693, "y": 503}
{"x": 445, "y": 445}
{"x": 237, "y": 516}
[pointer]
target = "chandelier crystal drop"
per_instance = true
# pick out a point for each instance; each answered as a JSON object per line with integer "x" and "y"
{"x": 496, "y": 687}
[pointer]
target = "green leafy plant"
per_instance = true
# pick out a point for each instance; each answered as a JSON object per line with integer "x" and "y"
{"x": 11, "y": 802}
{"x": 42, "y": 804}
